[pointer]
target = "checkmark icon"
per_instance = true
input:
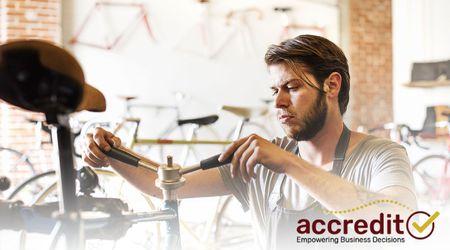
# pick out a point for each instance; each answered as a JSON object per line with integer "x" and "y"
{"x": 427, "y": 223}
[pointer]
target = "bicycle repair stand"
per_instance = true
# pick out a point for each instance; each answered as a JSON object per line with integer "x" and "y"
{"x": 170, "y": 179}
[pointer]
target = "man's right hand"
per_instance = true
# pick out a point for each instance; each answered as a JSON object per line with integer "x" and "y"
{"x": 95, "y": 143}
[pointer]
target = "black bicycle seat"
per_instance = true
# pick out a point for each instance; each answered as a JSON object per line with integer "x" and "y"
{"x": 127, "y": 98}
{"x": 282, "y": 9}
{"x": 206, "y": 120}
{"x": 39, "y": 76}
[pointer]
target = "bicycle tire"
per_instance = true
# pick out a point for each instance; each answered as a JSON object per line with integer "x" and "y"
{"x": 16, "y": 166}
{"x": 243, "y": 238}
{"x": 428, "y": 192}
{"x": 27, "y": 182}
{"x": 23, "y": 156}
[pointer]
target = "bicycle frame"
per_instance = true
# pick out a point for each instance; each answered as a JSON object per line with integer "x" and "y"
{"x": 237, "y": 19}
{"x": 141, "y": 17}
{"x": 289, "y": 24}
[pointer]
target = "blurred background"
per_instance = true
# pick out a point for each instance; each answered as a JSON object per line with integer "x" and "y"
{"x": 162, "y": 61}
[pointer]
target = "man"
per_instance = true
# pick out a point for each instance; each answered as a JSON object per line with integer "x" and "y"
{"x": 319, "y": 165}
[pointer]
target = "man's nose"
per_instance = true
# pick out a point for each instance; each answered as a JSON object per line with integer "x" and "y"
{"x": 282, "y": 100}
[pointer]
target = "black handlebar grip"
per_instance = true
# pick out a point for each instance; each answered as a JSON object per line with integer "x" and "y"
{"x": 122, "y": 156}
{"x": 213, "y": 162}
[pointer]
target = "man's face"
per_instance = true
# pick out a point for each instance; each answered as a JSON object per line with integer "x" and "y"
{"x": 301, "y": 109}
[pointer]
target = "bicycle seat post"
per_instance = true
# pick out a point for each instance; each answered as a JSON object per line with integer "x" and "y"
{"x": 69, "y": 215}
{"x": 169, "y": 180}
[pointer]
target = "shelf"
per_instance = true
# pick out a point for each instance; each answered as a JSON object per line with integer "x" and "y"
{"x": 427, "y": 84}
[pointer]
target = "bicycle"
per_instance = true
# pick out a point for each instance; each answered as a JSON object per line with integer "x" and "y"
{"x": 177, "y": 132}
{"x": 289, "y": 25}
{"x": 431, "y": 172}
{"x": 109, "y": 44}
{"x": 237, "y": 19}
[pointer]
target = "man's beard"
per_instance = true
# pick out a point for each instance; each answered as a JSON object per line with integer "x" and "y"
{"x": 314, "y": 120}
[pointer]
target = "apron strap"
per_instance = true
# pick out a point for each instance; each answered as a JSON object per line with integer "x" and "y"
{"x": 339, "y": 153}
{"x": 276, "y": 196}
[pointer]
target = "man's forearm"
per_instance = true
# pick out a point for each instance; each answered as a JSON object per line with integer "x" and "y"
{"x": 335, "y": 193}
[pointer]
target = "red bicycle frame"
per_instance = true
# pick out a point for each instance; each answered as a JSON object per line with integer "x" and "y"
{"x": 141, "y": 17}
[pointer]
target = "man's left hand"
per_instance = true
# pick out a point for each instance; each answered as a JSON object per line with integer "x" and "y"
{"x": 252, "y": 150}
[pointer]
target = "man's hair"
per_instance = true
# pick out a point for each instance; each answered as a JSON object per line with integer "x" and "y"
{"x": 319, "y": 56}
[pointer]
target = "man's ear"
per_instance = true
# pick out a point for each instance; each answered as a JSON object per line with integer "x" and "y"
{"x": 332, "y": 84}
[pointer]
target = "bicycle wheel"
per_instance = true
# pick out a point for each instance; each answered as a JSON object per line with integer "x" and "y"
{"x": 16, "y": 166}
{"x": 233, "y": 229}
{"x": 431, "y": 174}
{"x": 30, "y": 188}
{"x": 139, "y": 236}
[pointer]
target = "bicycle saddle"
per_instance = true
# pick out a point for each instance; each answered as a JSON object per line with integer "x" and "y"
{"x": 205, "y": 120}
{"x": 282, "y": 9}
{"x": 39, "y": 76}
{"x": 246, "y": 112}
{"x": 127, "y": 98}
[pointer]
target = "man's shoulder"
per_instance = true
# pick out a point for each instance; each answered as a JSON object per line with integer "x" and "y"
{"x": 380, "y": 142}
{"x": 378, "y": 146}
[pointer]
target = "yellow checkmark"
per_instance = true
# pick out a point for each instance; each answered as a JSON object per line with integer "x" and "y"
{"x": 430, "y": 220}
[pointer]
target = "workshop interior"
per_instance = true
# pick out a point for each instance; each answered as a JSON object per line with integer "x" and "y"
{"x": 178, "y": 81}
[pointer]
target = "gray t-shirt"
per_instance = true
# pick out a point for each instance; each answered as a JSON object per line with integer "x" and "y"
{"x": 374, "y": 164}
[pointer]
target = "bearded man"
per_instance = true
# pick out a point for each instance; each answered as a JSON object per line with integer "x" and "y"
{"x": 320, "y": 169}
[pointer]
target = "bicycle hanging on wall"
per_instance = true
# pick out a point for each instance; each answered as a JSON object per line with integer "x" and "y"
{"x": 142, "y": 17}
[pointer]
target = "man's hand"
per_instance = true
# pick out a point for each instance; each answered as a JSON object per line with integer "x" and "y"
{"x": 95, "y": 144}
{"x": 252, "y": 150}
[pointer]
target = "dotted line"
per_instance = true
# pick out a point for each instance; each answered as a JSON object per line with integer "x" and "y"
{"x": 365, "y": 205}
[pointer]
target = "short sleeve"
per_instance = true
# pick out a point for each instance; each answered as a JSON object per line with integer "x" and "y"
{"x": 236, "y": 185}
{"x": 392, "y": 168}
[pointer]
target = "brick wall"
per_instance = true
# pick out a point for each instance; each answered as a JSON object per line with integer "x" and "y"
{"x": 26, "y": 19}
{"x": 370, "y": 52}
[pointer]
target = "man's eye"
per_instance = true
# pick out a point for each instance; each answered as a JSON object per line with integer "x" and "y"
{"x": 274, "y": 92}
{"x": 292, "y": 88}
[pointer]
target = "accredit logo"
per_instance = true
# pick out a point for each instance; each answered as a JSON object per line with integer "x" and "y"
{"x": 385, "y": 224}
{"x": 419, "y": 225}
